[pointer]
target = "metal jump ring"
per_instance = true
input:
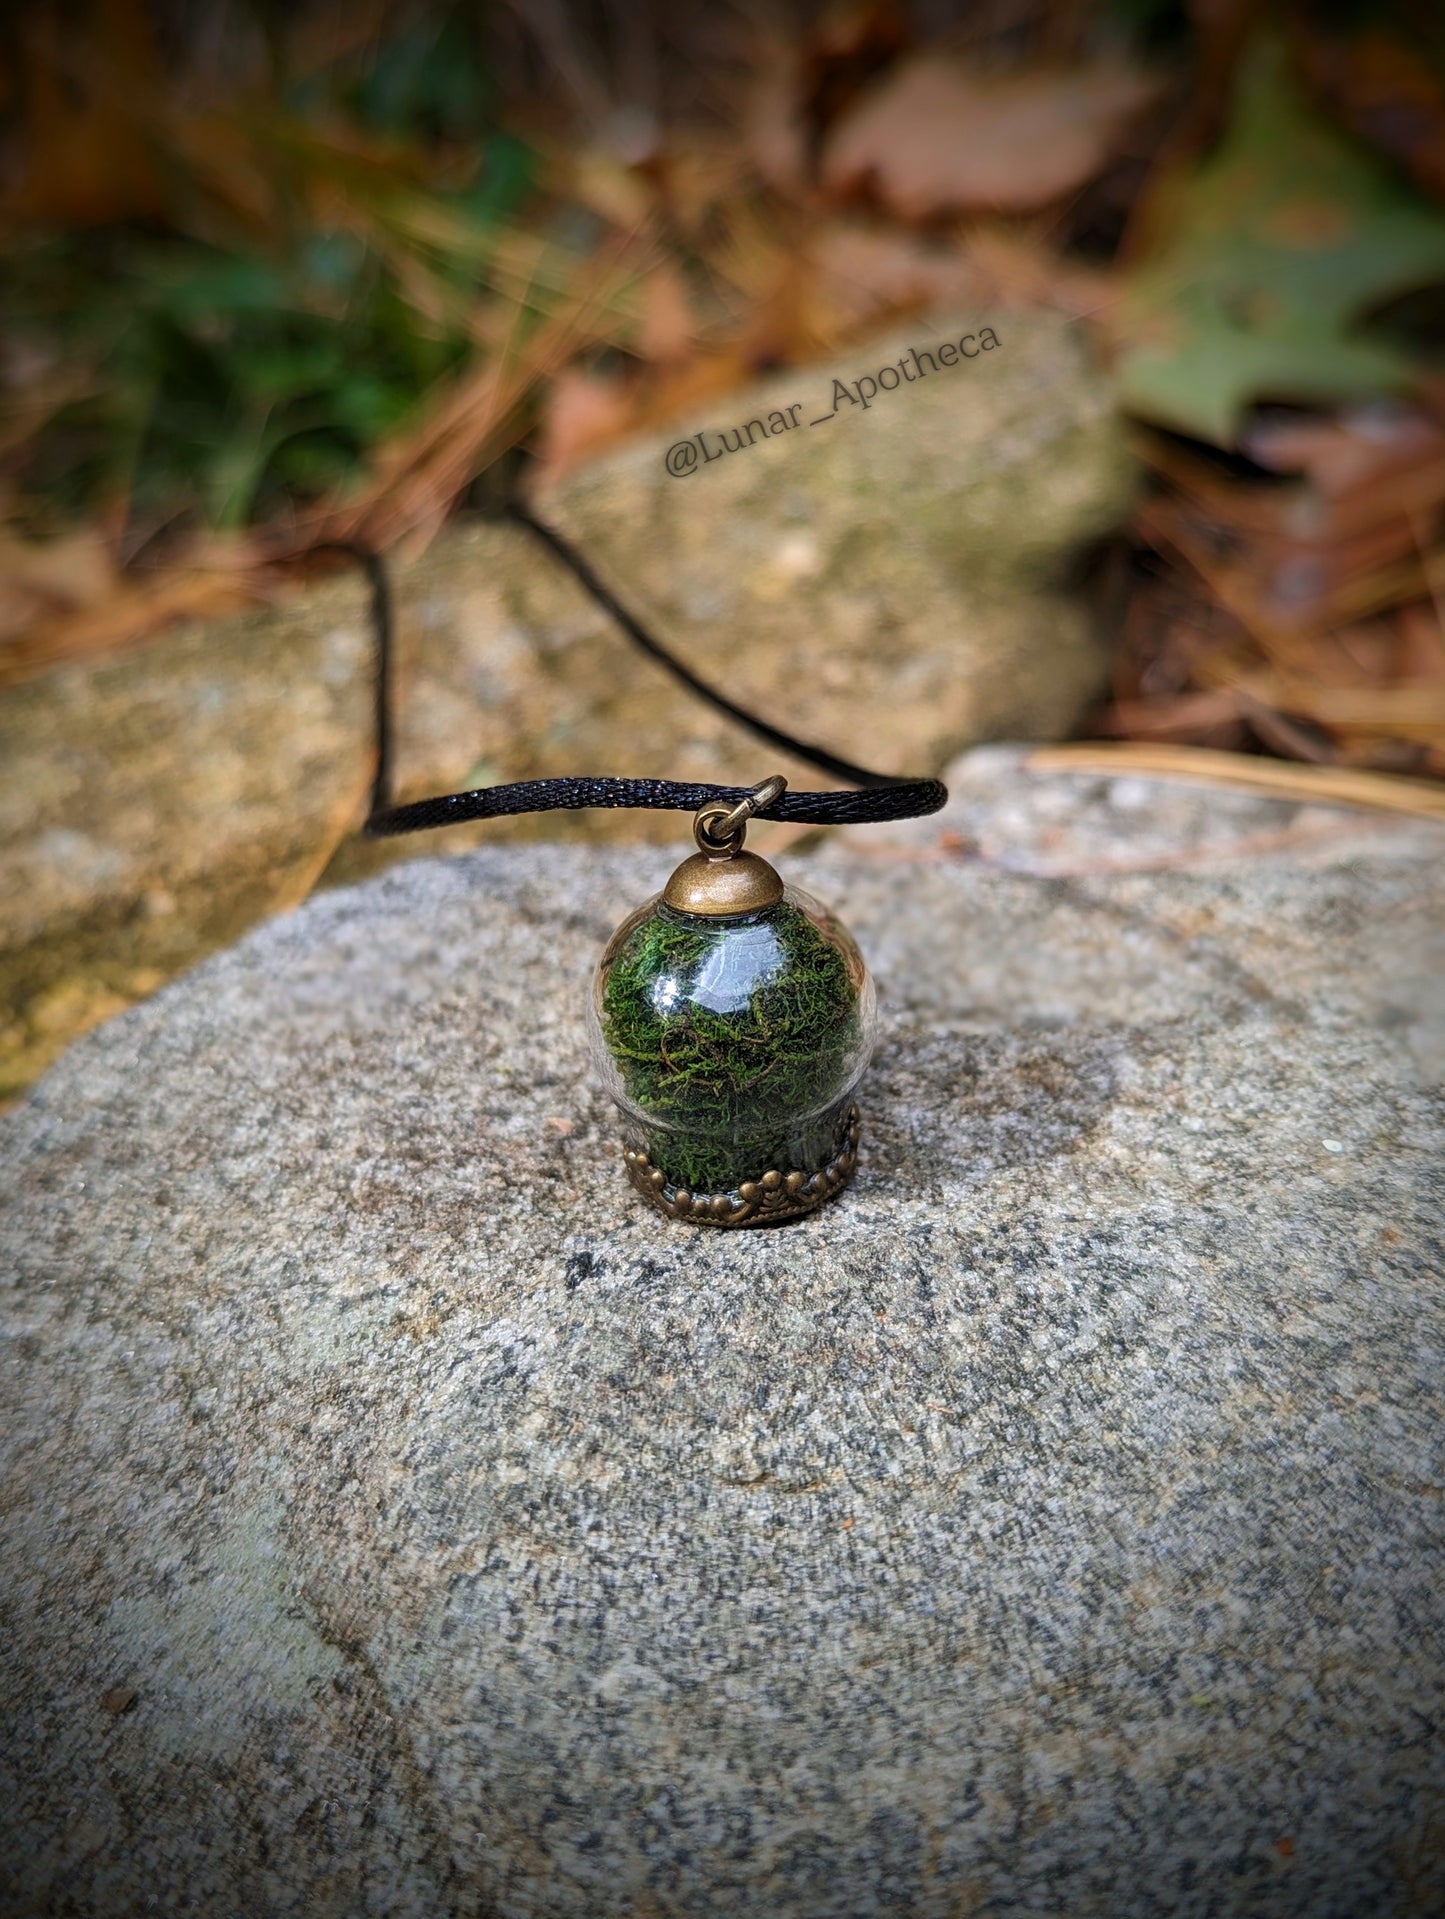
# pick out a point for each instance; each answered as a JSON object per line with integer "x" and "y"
{"x": 731, "y": 821}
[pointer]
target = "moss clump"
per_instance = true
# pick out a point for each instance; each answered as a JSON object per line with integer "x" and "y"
{"x": 727, "y": 1033}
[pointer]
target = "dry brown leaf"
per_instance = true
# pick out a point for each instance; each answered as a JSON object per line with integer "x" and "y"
{"x": 1339, "y": 453}
{"x": 843, "y": 45}
{"x": 934, "y": 137}
{"x": 583, "y": 412}
{"x": 86, "y": 90}
{"x": 668, "y": 332}
{"x": 129, "y": 613}
{"x": 691, "y": 385}
{"x": 788, "y": 321}
{"x": 1024, "y": 270}
{"x": 774, "y": 133}
{"x": 867, "y": 271}
{"x": 43, "y": 579}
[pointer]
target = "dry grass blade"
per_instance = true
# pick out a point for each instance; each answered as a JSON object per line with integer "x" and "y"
{"x": 420, "y": 474}
{"x": 1413, "y": 712}
{"x": 1313, "y": 785}
{"x": 1281, "y": 591}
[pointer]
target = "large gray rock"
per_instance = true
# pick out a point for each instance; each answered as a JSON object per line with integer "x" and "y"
{"x": 400, "y": 1521}
{"x": 899, "y": 579}
{"x": 897, "y": 584}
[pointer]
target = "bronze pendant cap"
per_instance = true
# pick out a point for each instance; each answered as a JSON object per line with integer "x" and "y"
{"x": 714, "y": 888}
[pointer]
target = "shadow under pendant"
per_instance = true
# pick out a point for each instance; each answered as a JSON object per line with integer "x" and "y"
{"x": 732, "y": 1017}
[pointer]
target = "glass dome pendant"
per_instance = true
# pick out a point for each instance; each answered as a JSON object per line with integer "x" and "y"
{"x": 731, "y": 1020}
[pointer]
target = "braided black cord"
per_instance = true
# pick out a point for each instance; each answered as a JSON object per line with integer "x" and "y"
{"x": 883, "y": 797}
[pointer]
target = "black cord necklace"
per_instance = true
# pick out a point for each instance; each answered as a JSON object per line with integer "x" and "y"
{"x": 731, "y": 1016}
{"x": 884, "y": 797}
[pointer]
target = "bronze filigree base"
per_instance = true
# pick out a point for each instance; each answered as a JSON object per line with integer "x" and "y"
{"x": 771, "y": 1197}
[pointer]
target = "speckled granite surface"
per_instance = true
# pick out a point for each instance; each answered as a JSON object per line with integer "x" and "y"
{"x": 398, "y": 1521}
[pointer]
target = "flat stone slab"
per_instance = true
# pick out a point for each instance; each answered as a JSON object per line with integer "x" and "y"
{"x": 400, "y": 1520}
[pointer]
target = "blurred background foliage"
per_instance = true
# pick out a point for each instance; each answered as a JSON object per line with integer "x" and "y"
{"x": 241, "y": 248}
{"x": 277, "y": 274}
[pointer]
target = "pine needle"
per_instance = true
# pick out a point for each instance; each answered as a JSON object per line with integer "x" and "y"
{"x": 1311, "y": 785}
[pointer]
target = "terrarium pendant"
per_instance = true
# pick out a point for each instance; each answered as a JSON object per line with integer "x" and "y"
{"x": 732, "y": 1017}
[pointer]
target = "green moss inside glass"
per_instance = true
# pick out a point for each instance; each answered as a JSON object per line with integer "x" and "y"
{"x": 736, "y": 1040}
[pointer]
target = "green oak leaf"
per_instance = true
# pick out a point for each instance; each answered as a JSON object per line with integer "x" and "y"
{"x": 1271, "y": 252}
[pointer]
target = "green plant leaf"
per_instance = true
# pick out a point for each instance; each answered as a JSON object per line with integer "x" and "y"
{"x": 1272, "y": 252}
{"x": 226, "y": 383}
